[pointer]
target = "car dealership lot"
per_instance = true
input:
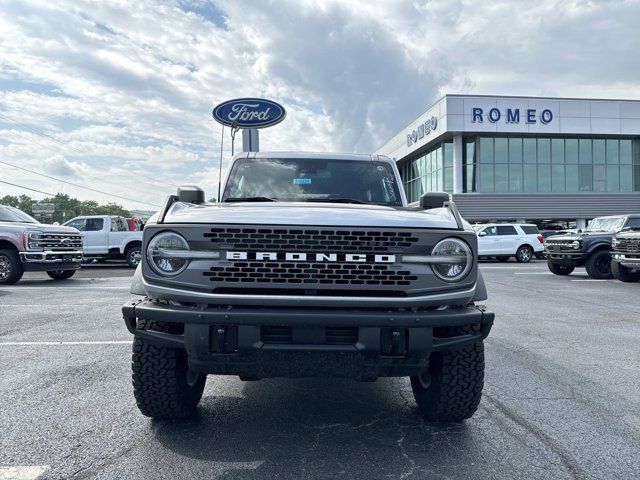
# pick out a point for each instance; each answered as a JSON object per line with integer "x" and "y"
{"x": 561, "y": 395}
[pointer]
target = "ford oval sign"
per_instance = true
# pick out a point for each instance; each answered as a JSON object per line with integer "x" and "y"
{"x": 249, "y": 113}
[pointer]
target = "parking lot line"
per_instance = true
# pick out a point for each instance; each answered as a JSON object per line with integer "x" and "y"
{"x": 30, "y": 472}
{"x": 89, "y": 342}
{"x": 532, "y": 273}
{"x": 589, "y": 280}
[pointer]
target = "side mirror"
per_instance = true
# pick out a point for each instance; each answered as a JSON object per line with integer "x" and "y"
{"x": 482, "y": 234}
{"x": 433, "y": 200}
{"x": 190, "y": 194}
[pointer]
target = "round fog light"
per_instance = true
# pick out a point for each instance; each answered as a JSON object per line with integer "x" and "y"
{"x": 165, "y": 253}
{"x": 453, "y": 259}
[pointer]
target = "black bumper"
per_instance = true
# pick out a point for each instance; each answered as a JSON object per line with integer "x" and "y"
{"x": 278, "y": 342}
{"x": 569, "y": 258}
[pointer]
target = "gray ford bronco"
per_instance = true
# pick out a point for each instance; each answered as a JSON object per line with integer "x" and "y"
{"x": 310, "y": 265}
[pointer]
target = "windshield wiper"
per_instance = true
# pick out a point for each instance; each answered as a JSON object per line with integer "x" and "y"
{"x": 335, "y": 200}
{"x": 250, "y": 199}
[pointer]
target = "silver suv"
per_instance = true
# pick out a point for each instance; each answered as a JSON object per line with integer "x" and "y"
{"x": 311, "y": 265}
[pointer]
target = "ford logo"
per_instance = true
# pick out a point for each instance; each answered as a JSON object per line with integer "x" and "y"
{"x": 249, "y": 113}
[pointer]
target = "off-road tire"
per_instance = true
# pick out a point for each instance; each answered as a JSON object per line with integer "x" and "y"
{"x": 454, "y": 383}
{"x": 61, "y": 274}
{"x": 599, "y": 265}
{"x": 524, "y": 254}
{"x": 132, "y": 259}
{"x": 558, "y": 269}
{"x": 623, "y": 273}
{"x": 163, "y": 386}
{"x": 10, "y": 260}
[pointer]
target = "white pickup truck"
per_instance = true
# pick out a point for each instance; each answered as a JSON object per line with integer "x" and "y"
{"x": 107, "y": 237}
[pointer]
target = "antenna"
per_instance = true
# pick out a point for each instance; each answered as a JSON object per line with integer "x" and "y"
{"x": 220, "y": 167}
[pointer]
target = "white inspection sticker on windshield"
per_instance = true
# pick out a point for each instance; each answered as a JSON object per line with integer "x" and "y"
{"x": 302, "y": 181}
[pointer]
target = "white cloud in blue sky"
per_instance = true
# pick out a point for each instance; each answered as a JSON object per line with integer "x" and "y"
{"x": 119, "y": 94}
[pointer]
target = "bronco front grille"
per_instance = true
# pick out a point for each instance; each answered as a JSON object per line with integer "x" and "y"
{"x": 364, "y": 240}
{"x": 629, "y": 246}
{"x": 310, "y": 274}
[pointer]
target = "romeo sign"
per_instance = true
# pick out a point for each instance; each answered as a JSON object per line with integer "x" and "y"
{"x": 249, "y": 113}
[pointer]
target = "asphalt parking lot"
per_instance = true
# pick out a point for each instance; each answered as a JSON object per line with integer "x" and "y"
{"x": 561, "y": 396}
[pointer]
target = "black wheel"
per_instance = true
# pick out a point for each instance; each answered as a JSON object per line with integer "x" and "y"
{"x": 134, "y": 255}
{"x": 623, "y": 273}
{"x": 599, "y": 265}
{"x": 163, "y": 385}
{"x": 503, "y": 259}
{"x": 61, "y": 274}
{"x": 10, "y": 267}
{"x": 558, "y": 269}
{"x": 451, "y": 388}
{"x": 524, "y": 254}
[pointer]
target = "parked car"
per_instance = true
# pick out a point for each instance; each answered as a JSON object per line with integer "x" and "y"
{"x": 304, "y": 270}
{"x": 590, "y": 249}
{"x": 27, "y": 245}
{"x": 625, "y": 253}
{"x": 108, "y": 237}
{"x": 506, "y": 240}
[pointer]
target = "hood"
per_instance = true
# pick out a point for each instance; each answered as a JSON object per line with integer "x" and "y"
{"x": 579, "y": 236}
{"x": 36, "y": 226}
{"x": 628, "y": 234}
{"x": 310, "y": 214}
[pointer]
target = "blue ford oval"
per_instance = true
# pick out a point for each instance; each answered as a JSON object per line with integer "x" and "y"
{"x": 249, "y": 113}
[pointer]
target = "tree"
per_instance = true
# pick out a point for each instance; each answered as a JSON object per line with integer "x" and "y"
{"x": 65, "y": 207}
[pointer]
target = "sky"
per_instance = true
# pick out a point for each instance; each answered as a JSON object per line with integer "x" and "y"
{"x": 116, "y": 96}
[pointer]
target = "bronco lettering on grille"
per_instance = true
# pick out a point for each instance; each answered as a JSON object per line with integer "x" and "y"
{"x": 312, "y": 257}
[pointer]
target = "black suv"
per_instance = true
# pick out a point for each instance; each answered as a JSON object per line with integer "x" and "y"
{"x": 625, "y": 254}
{"x": 590, "y": 248}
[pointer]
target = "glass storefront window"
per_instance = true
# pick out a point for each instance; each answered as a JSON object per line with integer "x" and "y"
{"x": 571, "y": 178}
{"x": 585, "y": 178}
{"x": 544, "y": 178}
{"x": 557, "y": 150}
{"x": 544, "y": 150}
{"x": 625, "y": 152}
{"x": 613, "y": 178}
{"x": 500, "y": 150}
{"x": 557, "y": 178}
{"x": 530, "y": 182}
{"x": 612, "y": 152}
{"x": 486, "y": 150}
{"x": 599, "y": 178}
{"x": 515, "y": 178}
{"x": 486, "y": 178}
{"x": 528, "y": 164}
{"x": 515, "y": 150}
{"x": 571, "y": 150}
{"x": 501, "y": 177}
{"x": 598, "y": 151}
{"x": 585, "y": 151}
{"x": 529, "y": 150}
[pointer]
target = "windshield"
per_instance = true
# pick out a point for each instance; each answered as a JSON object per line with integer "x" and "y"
{"x": 312, "y": 179}
{"x": 605, "y": 224}
{"x": 10, "y": 214}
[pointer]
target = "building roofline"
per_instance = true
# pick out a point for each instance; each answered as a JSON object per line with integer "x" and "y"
{"x": 538, "y": 96}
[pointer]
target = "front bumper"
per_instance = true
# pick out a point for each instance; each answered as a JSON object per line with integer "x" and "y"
{"x": 50, "y": 260}
{"x": 565, "y": 257}
{"x": 240, "y": 341}
{"x": 629, "y": 260}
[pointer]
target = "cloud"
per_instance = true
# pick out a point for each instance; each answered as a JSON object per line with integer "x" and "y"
{"x": 61, "y": 167}
{"x": 123, "y": 92}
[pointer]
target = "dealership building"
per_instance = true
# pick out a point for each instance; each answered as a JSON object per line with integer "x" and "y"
{"x": 533, "y": 159}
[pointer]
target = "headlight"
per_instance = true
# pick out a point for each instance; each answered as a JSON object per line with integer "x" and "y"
{"x": 575, "y": 245}
{"x": 455, "y": 260}
{"x": 615, "y": 242}
{"x": 33, "y": 239}
{"x": 165, "y": 253}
